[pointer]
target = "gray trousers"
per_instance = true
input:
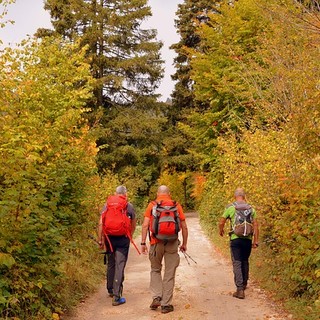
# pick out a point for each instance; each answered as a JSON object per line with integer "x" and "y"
{"x": 240, "y": 253}
{"x": 162, "y": 286}
{"x": 115, "y": 266}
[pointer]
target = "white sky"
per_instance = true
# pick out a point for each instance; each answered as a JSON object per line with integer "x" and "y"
{"x": 29, "y": 15}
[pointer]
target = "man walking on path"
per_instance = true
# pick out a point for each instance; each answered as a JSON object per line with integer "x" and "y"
{"x": 244, "y": 227}
{"x": 117, "y": 246}
{"x": 163, "y": 250}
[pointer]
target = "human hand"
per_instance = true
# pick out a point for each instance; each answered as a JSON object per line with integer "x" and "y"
{"x": 183, "y": 248}
{"x": 101, "y": 244}
{"x": 144, "y": 249}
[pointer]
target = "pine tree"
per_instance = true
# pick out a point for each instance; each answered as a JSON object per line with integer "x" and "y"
{"x": 190, "y": 14}
{"x": 125, "y": 60}
{"x": 124, "y": 57}
{"x": 179, "y": 143}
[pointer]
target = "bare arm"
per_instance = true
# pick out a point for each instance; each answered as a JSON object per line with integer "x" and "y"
{"x": 101, "y": 239}
{"x": 222, "y": 222}
{"x": 184, "y": 230}
{"x": 255, "y": 241}
{"x": 133, "y": 226}
{"x": 100, "y": 230}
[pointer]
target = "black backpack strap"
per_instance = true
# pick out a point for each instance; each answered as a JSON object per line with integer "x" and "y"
{"x": 154, "y": 208}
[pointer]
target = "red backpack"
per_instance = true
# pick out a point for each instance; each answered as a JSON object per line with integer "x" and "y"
{"x": 115, "y": 219}
{"x": 165, "y": 221}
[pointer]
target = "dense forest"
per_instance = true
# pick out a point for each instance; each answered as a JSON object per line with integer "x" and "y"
{"x": 79, "y": 115}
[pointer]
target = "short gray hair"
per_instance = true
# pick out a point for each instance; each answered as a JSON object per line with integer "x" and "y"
{"x": 239, "y": 193}
{"x": 121, "y": 190}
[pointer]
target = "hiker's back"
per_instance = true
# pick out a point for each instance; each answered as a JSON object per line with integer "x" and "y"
{"x": 117, "y": 224}
{"x": 165, "y": 220}
{"x": 243, "y": 218}
{"x": 115, "y": 217}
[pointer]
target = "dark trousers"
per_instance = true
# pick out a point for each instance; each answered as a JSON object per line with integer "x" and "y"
{"x": 240, "y": 253}
{"x": 116, "y": 264}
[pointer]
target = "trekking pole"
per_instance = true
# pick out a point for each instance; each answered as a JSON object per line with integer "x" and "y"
{"x": 90, "y": 236}
{"x": 188, "y": 256}
{"x": 103, "y": 252}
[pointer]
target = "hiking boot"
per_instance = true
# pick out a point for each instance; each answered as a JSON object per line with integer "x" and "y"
{"x": 239, "y": 294}
{"x": 245, "y": 285}
{"x": 117, "y": 301}
{"x": 155, "y": 303}
{"x": 166, "y": 309}
{"x": 110, "y": 293}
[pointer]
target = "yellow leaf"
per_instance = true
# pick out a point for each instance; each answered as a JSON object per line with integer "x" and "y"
{"x": 55, "y": 316}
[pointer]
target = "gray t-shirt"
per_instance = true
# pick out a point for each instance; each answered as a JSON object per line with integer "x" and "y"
{"x": 131, "y": 211}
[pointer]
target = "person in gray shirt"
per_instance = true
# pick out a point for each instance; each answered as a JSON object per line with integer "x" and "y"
{"x": 117, "y": 249}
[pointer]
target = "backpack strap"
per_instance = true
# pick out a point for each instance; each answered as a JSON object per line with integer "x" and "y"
{"x": 233, "y": 204}
{"x": 155, "y": 205}
{"x": 109, "y": 243}
{"x": 127, "y": 235}
{"x": 153, "y": 210}
{"x": 131, "y": 240}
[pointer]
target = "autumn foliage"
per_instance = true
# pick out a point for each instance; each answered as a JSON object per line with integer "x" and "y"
{"x": 263, "y": 83}
{"x": 251, "y": 119}
{"x": 47, "y": 163}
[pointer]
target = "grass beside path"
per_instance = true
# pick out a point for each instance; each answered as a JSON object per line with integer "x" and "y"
{"x": 297, "y": 308}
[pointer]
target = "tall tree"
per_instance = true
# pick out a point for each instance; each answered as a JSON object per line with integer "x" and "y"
{"x": 227, "y": 41}
{"x": 125, "y": 59}
{"x": 189, "y": 15}
{"x": 262, "y": 58}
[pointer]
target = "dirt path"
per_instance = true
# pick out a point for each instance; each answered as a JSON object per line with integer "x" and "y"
{"x": 203, "y": 290}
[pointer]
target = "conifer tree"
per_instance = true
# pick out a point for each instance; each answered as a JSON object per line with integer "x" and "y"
{"x": 125, "y": 60}
{"x": 124, "y": 57}
{"x": 190, "y": 14}
{"x": 222, "y": 100}
{"x": 179, "y": 144}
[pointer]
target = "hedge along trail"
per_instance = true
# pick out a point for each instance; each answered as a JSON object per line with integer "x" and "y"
{"x": 272, "y": 147}
{"x": 46, "y": 163}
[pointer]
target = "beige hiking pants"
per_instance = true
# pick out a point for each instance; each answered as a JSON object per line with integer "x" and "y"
{"x": 163, "y": 286}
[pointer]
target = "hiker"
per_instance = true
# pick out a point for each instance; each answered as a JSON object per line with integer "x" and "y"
{"x": 244, "y": 235}
{"x": 163, "y": 247}
{"x": 116, "y": 241}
